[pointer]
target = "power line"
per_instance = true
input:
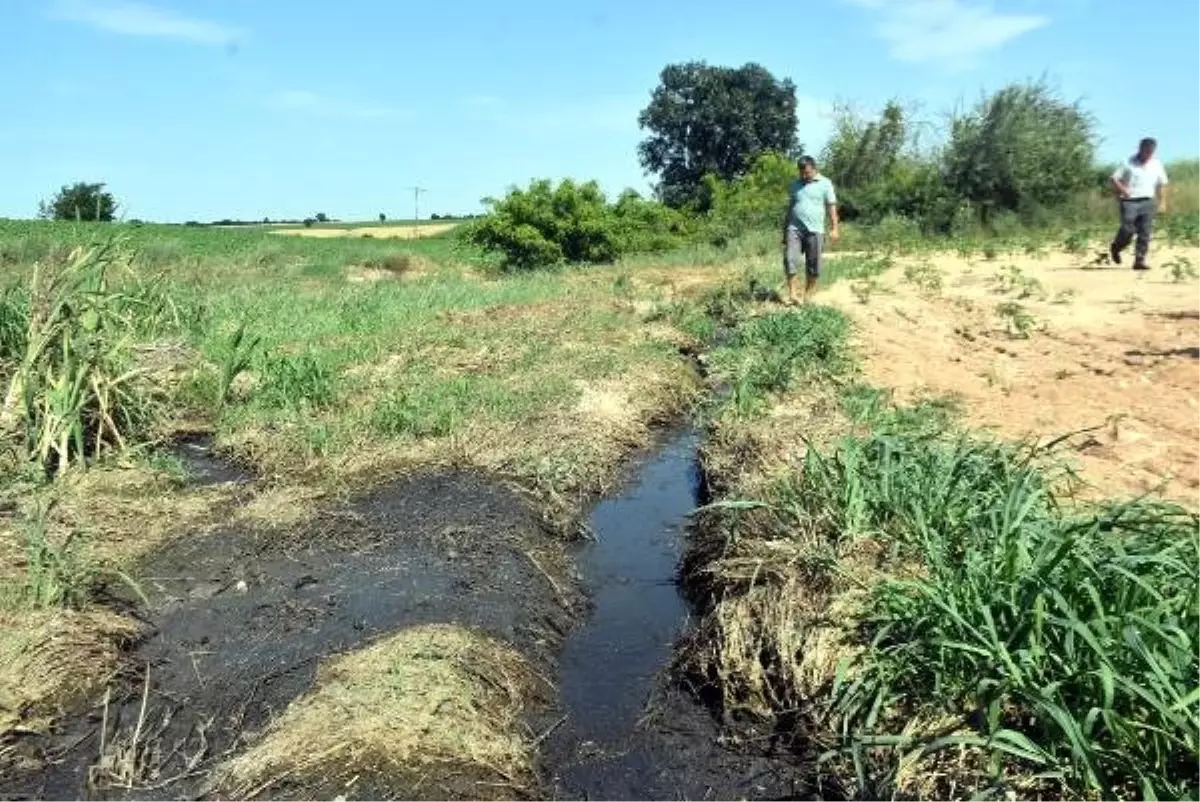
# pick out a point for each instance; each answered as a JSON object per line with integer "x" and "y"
{"x": 417, "y": 191}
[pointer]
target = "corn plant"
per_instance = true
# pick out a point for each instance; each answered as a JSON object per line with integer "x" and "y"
{"x": 236, "y": 357}
{"x": 73, "y": 391}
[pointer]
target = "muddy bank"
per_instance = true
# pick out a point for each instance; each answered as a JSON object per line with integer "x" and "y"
{"x": 240, "y": 620}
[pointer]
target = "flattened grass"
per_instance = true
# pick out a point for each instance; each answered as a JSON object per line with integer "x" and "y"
{"x": 434, "y": 712}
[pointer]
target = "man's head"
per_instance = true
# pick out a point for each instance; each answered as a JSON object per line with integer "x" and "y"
{"x": 808, "y": 168}
{"x": 1146, "y": 148}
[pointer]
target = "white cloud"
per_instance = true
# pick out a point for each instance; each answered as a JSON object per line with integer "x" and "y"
{"x": 139, "y": 19}
{"x": 302, "y": 101}
{"x": 949, "y": 32}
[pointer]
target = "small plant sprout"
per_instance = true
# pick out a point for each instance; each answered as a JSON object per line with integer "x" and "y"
{"x": 924, "y": 276}
{"x": 1018, "y": 321}
{"x": 1181, "y": 269}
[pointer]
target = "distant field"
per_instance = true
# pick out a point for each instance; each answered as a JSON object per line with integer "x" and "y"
{"x": 23, "y": 242}
{"x": 390, "y": 231}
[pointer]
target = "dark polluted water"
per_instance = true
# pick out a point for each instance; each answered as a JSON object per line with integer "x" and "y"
{"x": 612, "y": 665}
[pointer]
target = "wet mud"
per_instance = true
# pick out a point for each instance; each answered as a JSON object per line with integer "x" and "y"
{"x": 238, "y": 620}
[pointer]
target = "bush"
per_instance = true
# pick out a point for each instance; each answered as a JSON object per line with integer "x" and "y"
{"x": 880, "y": 171}
{"x": 753, "y": 201}
{"x": 546, "y": 225}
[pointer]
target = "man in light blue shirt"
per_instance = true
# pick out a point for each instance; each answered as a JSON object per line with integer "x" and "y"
{"x": 810, "y": 198}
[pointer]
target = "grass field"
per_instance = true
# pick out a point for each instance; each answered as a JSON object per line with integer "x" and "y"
{"x": 937, "y": 610}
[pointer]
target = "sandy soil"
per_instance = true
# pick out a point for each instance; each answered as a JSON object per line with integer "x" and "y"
{"x": 375, "y": 232}
{"x": 1107, "y": 349}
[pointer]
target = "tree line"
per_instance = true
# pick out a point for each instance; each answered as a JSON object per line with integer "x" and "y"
{"x": 722, "y": 144}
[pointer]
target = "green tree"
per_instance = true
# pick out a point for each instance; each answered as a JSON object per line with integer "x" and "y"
{"x": 1023, "y": 149}
{"x": 80, "y": 201}
{"x": 880, "y": 170}
{"x": 713, "y": 120}
{"x": 321, "y": 217}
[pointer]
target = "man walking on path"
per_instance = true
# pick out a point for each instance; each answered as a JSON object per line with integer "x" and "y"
{"x": 810, "y": 198}
{"x": 1141, "y": 186}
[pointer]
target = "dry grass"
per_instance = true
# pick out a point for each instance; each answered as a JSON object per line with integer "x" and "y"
{"x": 374, "y": 232}
{"x": 53, "y": 659}
{"x": 431, "y": 713}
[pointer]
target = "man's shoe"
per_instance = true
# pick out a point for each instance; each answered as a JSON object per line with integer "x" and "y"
{"x": 1114, "y": 254}
{"x": 1140, "y": 266}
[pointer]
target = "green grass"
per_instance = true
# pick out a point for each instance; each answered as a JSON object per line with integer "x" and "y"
{"x": 231, "y": 250}
{"x": 296, "y": 366}
{"x": 1004, "y": 641}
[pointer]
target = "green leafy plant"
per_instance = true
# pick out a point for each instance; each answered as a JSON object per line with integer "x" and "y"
{"x": 1018, "y": 322}
{"x": 1011, "y": 279}
{"x": 1076, "y": 243}
{"x": 1181, "y": 269}
{"x": 74, "y": 390}
{"x": 237, "y": 356}
{"x": 924, "y": 276}
{"x": 864, "y": 288}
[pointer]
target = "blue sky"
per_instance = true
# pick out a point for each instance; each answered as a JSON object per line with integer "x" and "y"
{"x": 250, "y": 108}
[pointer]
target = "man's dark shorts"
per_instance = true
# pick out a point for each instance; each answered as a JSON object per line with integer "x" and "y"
{"x": 804, "y": 244}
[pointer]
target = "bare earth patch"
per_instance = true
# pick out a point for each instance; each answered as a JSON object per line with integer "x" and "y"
{"x": 1105, "y": 349}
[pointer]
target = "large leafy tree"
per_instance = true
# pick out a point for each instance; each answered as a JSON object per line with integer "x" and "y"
{"x": 80, "y": 201}
{"x": 714, "y": 120}
{"x": 1020, "y": 149}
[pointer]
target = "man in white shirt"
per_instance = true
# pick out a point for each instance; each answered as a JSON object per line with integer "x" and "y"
{"x": 1141, "y": 186}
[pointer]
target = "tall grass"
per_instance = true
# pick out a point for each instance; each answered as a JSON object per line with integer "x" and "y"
{"x": 1061, "y": 643}
{"x": 1063, "y": 640}
{"x": 988, "y": 636}
{"x": 73, "y": 389}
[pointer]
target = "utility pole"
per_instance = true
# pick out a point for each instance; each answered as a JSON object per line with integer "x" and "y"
{"x": 416, "y": 191}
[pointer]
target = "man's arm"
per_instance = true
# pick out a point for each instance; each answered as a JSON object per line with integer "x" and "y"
{"x": 832, "y": 210}
{"x": 1160, "y": 191}
{"x": 1118, "y": 182}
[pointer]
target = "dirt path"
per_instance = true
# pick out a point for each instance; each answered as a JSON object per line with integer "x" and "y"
{"x": 1105, "y": 348}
